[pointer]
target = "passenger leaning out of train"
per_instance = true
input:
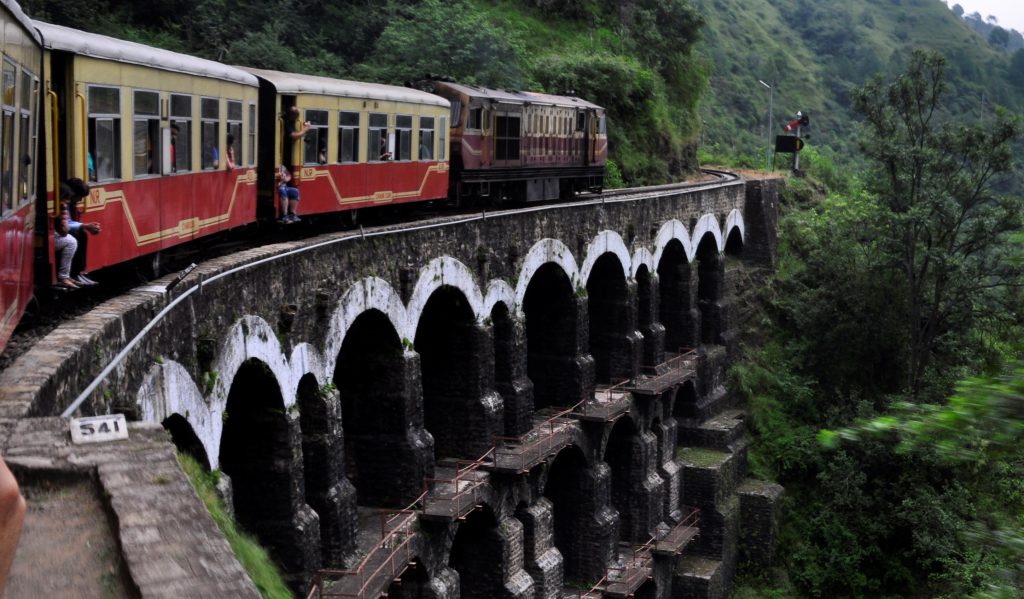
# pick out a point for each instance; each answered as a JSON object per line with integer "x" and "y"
{"x": 64, "y": 247}
{"x": 289, "y": 195}
{"x": 72, "y": 191}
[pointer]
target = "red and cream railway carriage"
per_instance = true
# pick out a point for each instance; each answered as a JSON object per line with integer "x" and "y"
{"x": 19, "y": 67}
{"x": 369, "y": 144}
{"x": 523, "y": 146}
{"x": 148, "y": 129}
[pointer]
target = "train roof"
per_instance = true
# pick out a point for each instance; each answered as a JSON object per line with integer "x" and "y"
{"x": 57, "y": 37}
{"x": 26, "y": 22}
{"x": 517, "y": 97}
{"x": 294, "y": 83}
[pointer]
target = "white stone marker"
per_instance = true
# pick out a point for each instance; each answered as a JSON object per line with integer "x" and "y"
{"x": 97, "y": 429}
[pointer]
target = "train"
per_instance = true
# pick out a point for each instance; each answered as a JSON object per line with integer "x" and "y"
{"x": 176, "y": 148}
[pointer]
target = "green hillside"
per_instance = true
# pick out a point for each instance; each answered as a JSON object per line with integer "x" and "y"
{"x": 816, "y": 51}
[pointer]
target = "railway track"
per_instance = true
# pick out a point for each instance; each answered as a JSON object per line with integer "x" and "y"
{"x": 51, "y": 306}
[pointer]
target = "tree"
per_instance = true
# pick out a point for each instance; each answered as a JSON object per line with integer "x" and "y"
{"x": 945, "y": 225}
{"x": 999, "y": 38}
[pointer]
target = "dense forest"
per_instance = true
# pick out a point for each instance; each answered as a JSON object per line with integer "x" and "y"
{"x": 887, "y": 390}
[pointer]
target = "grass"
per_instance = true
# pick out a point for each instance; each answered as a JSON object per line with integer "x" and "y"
{"x": 253, "y": 557}
{"x": 699, "y": 456}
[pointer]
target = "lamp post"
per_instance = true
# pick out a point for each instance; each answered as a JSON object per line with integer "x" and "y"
{"x": 768, "y": 151}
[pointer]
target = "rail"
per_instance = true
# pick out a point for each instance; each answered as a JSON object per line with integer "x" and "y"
{"x": 519, "y": 454}
{"x": 624, "y": 196}
{"x": 610, "y": 401}
{"x": 391, "y": 555}
{"x": 456, "y": 496}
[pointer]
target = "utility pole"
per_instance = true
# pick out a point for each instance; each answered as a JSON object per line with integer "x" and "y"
{"x": 768, "y": 151}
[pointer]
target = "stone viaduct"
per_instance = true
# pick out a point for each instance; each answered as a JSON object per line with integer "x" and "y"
{"x": 579, "y": 350}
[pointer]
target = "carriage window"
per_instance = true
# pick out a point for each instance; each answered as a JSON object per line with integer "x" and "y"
{"x": 442, "y": 140}
{"x": 314, "y": 143}
{"x": 209, "y": 121}
{"x": 234, "y": 138}
{"x": 377, "y": 138}
{"x": 506, "y": 137}
{"x": 403, "y": 134}
{"x": 348, "y": 137}
{"x": 252, "y": 135}
{"x": 426, "y": 138}
{"x": 146, "y": 133}
{"x": 580, "y": 120}
{"x": 601, "y": 126}
{"x": 181, "y": 133}
{"x": 27, "y": 150}
{"x": 474, "y": 120}
{"x": 105, "y": 133}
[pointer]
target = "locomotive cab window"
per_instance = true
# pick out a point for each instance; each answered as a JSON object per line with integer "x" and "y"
{"x": 146, "y": 133}
{"x": 209, "y": 122}
{"x": 314, "y": 144}
{"x": 377, "y": 138}
{"x": 104, "y": 130}
{"x": 475, "y": 118}
{"x": 234, "y": 138}
{"x": 426, "y": 138}
{"x": 403, "y": 137}
{"x": 181, "y": 133}
{"x": 456, "y": 110}
{"x": 348, "y": 137}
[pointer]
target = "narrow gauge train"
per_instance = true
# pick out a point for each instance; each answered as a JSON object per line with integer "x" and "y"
{"x": 149, "y": 129}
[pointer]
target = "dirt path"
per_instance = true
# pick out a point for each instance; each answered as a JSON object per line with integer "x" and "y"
{"x": 67, "y": 547}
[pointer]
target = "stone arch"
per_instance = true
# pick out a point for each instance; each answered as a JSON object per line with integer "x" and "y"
{"x": 252, "y": 338}
{"x": 670, "y": 231}
{"x": 734, "y": 222}
{"x": 445, "y": 272}
{"x": 169, "y": 389}
{"x": 631, "y": 455}
{"x": 260, "y": 453}
{"x": 584, "y": 525}
{"x": 327, "y": 489}
{"x": 706, "y": 225}
{"x": 481, "y": 554}
{"x": 461, "y": 410}
{"x": 185, "y": 439}
{"x": 613, "y": 340}
{"x": 387, "y": 452}
{"x": 675, "y": 290}
{"x": 604, "y": 244}
{"x": 553, "y": 337}
{"x": 500, "y": 292}
{"x": 710, "y": 279}
{"x": 642, "y": 258}
{"x": 685, "y": 405}
{"x": 365, "y": 295}
{"x": 544, "y": 252}
{"x": 505, "y": 367}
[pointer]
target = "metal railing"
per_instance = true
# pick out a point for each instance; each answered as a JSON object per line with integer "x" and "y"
{"x": 609, "y": 402}
{"x": 624, "y": 580}
{"x": 681, "y": 534}
{"x": 385, "y": 561}
{"x": 519, "y": 454}
{"x": 668, "y": 373}
{"x": 456, "y": 496}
